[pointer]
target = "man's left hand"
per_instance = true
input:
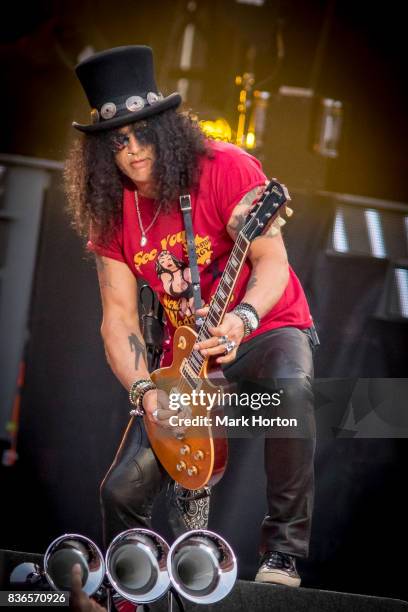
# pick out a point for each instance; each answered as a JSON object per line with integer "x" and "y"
{"x": 232, "y": 328}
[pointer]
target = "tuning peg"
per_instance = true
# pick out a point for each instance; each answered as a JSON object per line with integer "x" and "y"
{"x": 281, "y": 222}
{"x": 286, "y": 192}
{"x": 289, "y": 211}
{"x": 273, "y": 231}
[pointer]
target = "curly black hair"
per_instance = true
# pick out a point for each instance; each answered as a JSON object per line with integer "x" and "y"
{"x": 94, "y": 184}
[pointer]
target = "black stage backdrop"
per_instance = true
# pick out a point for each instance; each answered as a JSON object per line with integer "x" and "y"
{"x": 74, "y": 410}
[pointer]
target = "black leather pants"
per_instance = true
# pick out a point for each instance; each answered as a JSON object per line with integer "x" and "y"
{"x": 282, "y": 360}
{"x": 132, "y": 483}
{"x": 279, "y": 358}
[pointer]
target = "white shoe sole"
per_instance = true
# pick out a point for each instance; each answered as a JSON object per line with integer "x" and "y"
{"x": 277, "y": 577}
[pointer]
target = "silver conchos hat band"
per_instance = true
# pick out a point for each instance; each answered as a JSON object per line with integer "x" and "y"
{"x": 109, "y": 110}
{"x": 121, "y": 88}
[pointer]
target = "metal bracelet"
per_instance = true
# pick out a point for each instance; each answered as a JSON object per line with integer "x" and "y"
{"x": 249, "y": 317}
{"x": 137, "y": 390}
{"x": 249, "y": 308}
{"x": 245, "y": 321}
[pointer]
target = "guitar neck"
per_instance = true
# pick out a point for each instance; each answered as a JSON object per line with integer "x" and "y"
{"x": 265, "y": 212}
{"x": 221, "y": 298}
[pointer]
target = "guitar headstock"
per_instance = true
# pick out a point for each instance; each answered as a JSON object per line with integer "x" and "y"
{"x": 266, "y": 212}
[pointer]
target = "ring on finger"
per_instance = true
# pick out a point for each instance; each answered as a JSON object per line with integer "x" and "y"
{"x": 229, "y": 346}
{"x": 155, "y": 414}
{"x": 223, "y": 340}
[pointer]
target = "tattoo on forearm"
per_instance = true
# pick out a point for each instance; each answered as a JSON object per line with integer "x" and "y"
{"x": 100, "y": 266}
{"x": 242, "y": 210}
{"x": 252, "y": 282}
{"x": 237, "y": 223}
{"x": 138, "y": 348}
{"x": 249, "y": 197}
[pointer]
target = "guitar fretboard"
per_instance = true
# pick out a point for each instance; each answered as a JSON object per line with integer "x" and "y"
{"x": 193, "y": 364}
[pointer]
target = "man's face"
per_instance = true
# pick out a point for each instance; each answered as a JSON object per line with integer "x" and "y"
{"x": 134, "y": 157}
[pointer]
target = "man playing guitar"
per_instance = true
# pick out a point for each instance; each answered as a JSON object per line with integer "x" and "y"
{"x": 124, "y": 177}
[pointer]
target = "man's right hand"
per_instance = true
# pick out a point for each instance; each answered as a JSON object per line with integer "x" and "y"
{"x": 156, "y": 399}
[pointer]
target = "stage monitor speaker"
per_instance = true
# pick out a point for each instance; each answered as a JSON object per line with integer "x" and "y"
{"x": 9, "y": 559}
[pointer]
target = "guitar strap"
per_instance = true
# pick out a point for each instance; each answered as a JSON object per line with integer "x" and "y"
{"x": 185, "y": 206}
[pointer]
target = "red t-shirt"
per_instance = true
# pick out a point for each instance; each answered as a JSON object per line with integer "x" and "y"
{"x": 163, "y": 261}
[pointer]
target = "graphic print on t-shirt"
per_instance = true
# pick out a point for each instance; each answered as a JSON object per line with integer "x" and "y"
{"x": 174, "y": 274}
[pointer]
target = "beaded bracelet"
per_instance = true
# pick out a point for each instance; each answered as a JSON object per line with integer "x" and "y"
{"x": 139, "y": 410}
{"x": 135, "y": 387}
{"x": 136, "y": 393}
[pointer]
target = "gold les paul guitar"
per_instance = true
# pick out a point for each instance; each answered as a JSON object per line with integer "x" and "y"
{"x": 195, "y": 457}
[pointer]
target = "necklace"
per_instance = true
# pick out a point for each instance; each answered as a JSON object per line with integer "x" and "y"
{"x": 143, "y": 239}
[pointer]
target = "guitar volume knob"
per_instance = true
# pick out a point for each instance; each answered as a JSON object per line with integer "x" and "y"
{"x": 185, "y": 450}
{"x": 192, "y": 471}
{"x": 181, "y": 466}
{"x": 198, "y": 455}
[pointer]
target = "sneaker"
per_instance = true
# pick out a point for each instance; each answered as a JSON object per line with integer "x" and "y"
{"x": 278, "y": 568}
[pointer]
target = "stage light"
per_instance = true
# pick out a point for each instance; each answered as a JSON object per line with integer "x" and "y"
{"x": 67, "y": 550}
{"x": 328, "y": 128}
{"x": 258, "y": 120}
{"x": 393, "y": 304}
{"x": 218, "y": 129}
{"x": 340, "y": 242}
{"x": 252, "y": 2}
{"x": 202, "y": 566}
{"x": 401, "y": 277}
{"x": 136, "y": 565}
{"x": 250, "y": 140}
{"x": 375, "y": 231}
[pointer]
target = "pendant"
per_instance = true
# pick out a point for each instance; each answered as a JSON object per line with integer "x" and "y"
{"x": 143, "y": 241}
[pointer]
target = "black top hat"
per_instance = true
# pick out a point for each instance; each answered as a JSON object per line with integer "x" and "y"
{"x": 120, "y": 86}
